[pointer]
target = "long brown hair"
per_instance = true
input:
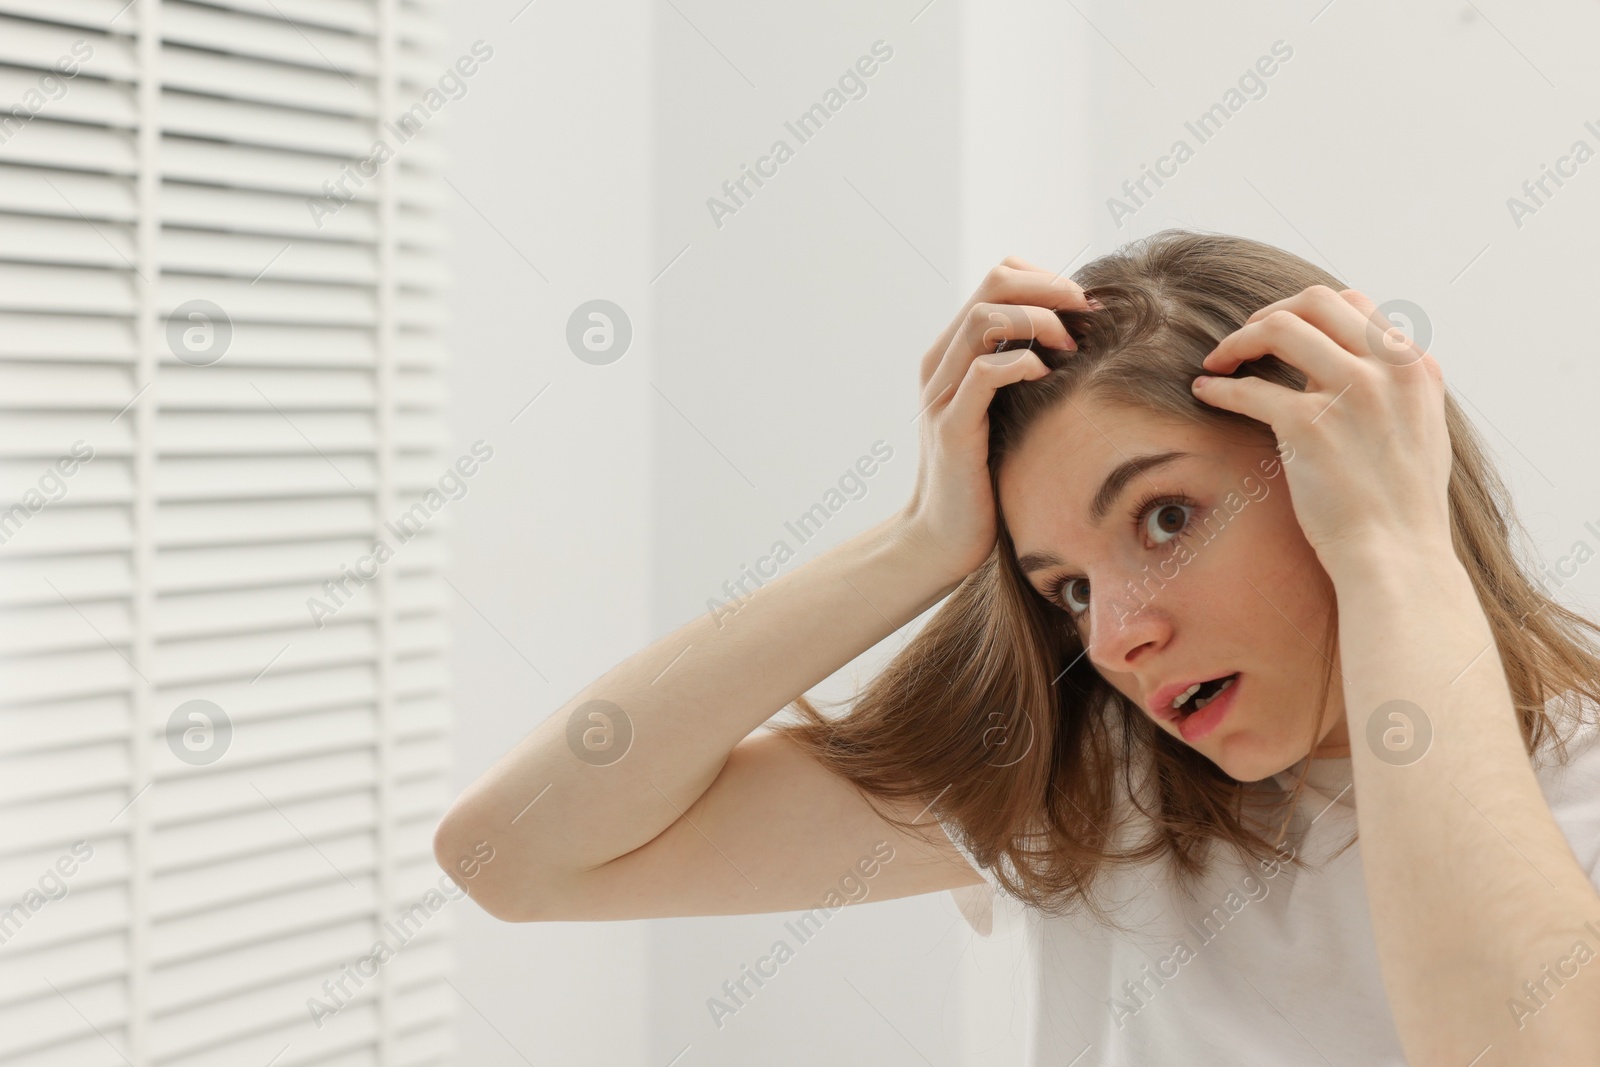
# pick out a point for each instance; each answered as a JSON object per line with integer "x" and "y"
{"x": 993, "y": 717}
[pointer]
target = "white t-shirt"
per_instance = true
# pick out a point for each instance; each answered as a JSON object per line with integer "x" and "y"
{"x": 1274, "y": 967}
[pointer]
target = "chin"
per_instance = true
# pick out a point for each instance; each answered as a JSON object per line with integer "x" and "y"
{"x": 1253, "y": 762}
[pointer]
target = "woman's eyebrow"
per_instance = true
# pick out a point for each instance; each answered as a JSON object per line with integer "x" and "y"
{"x": 1121, "y": 475}
{"x": 1110, "y": 489}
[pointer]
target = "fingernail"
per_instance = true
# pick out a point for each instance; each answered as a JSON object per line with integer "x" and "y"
{"x": 1201, "y": 380}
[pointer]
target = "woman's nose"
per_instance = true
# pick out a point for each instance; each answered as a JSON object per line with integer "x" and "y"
{"x": 1123, "y": 628}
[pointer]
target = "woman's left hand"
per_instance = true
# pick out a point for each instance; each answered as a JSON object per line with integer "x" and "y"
{"x": 1366, "y": 448}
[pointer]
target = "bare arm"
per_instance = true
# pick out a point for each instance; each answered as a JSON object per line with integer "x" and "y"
{"x": 776, "y": 831}
{"x": 551, "y": 817}
{"x": 1497, "y": 902}
{"x": 690, "y": 821}
{"x": 1481, "y": 914}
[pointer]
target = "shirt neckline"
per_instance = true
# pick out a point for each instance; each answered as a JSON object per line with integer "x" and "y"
{"x": 1330, "y": 778}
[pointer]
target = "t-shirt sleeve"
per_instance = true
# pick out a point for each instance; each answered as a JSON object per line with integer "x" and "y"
{"x": 975, "y": 902}
{"x": 1573, "y": 792}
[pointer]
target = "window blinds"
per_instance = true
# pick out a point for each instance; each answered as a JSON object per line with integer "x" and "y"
{"x": 214, "y": 399}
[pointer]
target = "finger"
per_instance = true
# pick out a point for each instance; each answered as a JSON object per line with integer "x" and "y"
{"x": 1347, "y": 316}
{"x": 1292, "y": 339}
{"x": 1006, "y": 284}
{"x": 1295, "y": 303}
{"x": 1256, "y": 398}
{"x": 1359, "y": 300}
{"x": 983, "y": 328}
{"x": 1032, "y": 285}
{"x": 985, "y": 376}
{"x": 1384, "y": 339}
{"x": 1022, "y": 264}
{"x": 1055, "y": 276}
{"x": 986, "y": 325}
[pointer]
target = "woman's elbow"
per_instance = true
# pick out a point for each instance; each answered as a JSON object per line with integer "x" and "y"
{"x": 469, "y": 858}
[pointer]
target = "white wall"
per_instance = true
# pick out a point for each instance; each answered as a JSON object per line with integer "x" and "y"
{"x": 552, "y": 552}
{"x": 787, "y": 341}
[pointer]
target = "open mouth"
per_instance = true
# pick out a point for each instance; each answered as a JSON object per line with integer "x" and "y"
{"x": 1202, "y": 694}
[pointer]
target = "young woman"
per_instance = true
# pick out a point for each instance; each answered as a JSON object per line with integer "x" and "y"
{"x": 1166, "y": 504}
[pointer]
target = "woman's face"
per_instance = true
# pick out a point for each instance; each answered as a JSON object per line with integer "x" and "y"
{"x": 1211, "y": 577}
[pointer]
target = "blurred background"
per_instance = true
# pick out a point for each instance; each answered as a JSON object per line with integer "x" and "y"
{"x": 378, "y": 373}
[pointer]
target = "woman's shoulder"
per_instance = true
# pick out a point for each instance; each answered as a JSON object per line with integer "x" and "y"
{"x": 992, "y": 911}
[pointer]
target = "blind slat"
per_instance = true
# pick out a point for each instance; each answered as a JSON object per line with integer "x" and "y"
{"x": 222, "y": 500}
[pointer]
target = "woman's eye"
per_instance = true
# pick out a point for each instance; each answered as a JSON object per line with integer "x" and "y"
{"x": 1167, "y": 522}
{"x": 1164, "y": 521}
{"x": 1079, "y": 603}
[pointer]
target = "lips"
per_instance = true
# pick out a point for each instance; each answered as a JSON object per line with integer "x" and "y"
{"x": 1197, "y": 725}
{"x": 1160, "y": 704}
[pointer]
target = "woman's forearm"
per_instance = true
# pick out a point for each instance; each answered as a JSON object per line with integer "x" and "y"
{"x": 554, "y": 807}
{"x": 1472, "y": 888}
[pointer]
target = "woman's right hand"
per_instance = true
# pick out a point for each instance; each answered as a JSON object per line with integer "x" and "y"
{"x": 951, "y": 514}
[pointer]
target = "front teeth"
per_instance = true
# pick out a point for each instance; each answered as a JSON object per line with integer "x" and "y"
{"x": 1177, "y": 702}
{"x": 1223, "y": 688}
